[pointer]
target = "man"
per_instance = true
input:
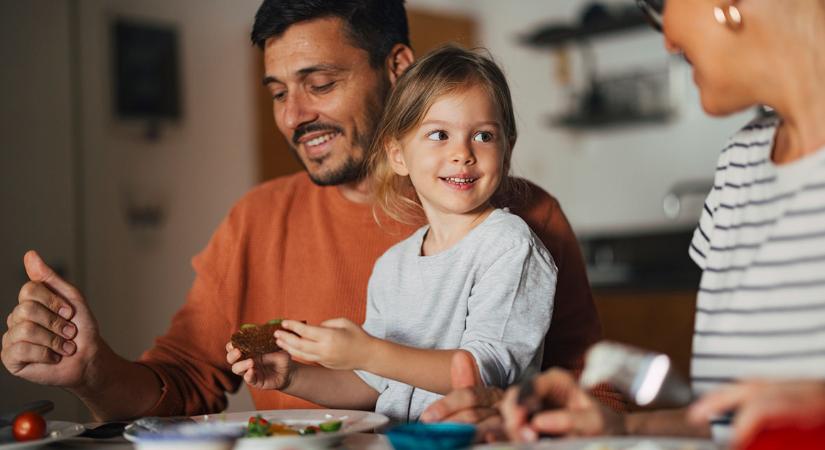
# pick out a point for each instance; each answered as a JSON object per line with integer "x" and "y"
{"x": 298, "y": 247}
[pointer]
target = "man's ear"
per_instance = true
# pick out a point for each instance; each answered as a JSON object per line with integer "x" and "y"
{"x": 396, "y": 158}
{"x": 400, "y": 57}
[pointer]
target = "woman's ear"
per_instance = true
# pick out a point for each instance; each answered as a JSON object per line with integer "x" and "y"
{"x": 400, "y": 57}
{"x": 396, "y": 158}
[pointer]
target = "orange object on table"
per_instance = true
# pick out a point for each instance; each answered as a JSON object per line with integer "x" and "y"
{"x": 796, "y": 438}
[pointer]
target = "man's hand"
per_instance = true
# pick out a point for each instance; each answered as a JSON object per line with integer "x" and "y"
{"x": 270, "y": 371}
{"x": 470, "y": 401}
{"x": 761, "y": 405}
{"x": 336, "y": 344}
{"x": 571, "y": 411}
{"x": 52, "y": 337}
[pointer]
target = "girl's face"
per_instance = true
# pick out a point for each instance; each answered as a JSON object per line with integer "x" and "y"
{"x": 455, "y": 156}
{"x": 718, "y": 55}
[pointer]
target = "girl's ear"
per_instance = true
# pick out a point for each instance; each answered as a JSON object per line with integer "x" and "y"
{"x": 396, "y": 158}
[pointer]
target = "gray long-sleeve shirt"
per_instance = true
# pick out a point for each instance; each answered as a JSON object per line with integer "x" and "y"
{"x": 490, "y": 294}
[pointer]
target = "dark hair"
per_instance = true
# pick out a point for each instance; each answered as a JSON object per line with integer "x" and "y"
{"x": 373, "y": 25}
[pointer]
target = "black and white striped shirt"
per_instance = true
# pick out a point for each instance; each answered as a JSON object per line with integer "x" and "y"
{"x": 761, "y": 245}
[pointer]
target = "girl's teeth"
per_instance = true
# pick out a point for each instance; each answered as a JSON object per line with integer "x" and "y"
{"x": 320, "y": 139}
{"x": 460, "y": 180}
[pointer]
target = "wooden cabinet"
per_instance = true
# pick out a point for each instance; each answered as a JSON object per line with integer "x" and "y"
{"x": 658, "y": 320}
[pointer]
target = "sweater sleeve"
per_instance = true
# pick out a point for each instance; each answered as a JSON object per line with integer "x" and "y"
{"x": 575, "y": 325}
{"x": 190, "y": 359}
{"x": 509, "y": 312}
{"x": 374, "y": 325}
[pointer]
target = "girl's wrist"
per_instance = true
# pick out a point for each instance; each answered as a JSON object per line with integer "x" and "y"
{"x": 369, "y": 350}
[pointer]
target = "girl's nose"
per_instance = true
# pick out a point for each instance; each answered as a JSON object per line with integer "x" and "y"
{"x": 464, "y": 155}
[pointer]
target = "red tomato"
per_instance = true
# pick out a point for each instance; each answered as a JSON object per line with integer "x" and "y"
{"x": 28, "y": 426}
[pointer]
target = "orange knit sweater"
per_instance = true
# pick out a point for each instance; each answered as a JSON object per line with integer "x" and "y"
{"x": 291, "y": 249}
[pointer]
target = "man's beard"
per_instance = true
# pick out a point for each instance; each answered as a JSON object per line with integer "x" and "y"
{"x": 354, "y": 167}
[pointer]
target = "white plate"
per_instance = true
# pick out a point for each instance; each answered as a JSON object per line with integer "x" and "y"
{"x": 610, "y": 443}
{"x": 56, "y": 431}
{"x": 353, "y": 422}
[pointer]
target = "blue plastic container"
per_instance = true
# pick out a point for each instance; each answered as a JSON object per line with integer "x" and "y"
{"x": 436, "y": 436}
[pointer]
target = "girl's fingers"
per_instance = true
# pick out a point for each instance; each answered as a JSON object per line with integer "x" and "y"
{"x": 303, "y": 330}
{"x": 298, "y": 353}
{"x": 240, "y": 367}
{"x": 295, "y": 342}
{"x": 339, "y": 322}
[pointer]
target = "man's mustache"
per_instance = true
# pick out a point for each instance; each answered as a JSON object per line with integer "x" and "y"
{"x": 312, "y": 127}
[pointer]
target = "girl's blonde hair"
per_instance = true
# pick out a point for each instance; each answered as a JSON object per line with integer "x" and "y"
{"x": 446, "y": 70}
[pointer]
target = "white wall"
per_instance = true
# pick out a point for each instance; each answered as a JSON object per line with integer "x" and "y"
{"x": 199, "y": 167}
{"x": 37, "y": 188}
{"x": 607, "y": 181}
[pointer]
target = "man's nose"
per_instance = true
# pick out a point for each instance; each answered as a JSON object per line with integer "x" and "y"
{"x": 297, "y": 110}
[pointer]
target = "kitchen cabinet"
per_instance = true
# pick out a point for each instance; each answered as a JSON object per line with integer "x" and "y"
{"x": 657, "y": 320}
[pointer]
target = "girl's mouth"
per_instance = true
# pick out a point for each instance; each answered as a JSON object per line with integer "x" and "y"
{"x": 459, "y": 182}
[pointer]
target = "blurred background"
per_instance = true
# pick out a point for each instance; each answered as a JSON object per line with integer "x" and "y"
{"x": 129, "y": 127}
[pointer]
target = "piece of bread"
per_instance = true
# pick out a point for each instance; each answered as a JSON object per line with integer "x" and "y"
{"x": 255, "y": 340}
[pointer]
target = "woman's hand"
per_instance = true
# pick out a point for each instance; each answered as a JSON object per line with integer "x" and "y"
{"x": 760, "y": 405}
{"x": 336, "y": 344}
{"x": 469, "y": 401}
{"x": 269, "y": 371}
{"x": 571, "y": 411}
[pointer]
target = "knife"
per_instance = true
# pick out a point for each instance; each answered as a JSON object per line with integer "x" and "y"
{"x": 38, "y": 406}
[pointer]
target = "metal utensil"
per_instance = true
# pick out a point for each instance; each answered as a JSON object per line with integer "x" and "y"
{"x": 646, "y": 378}
{"x": 38, "y": 406}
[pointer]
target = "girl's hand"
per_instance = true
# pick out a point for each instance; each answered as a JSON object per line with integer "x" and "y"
{"x": 269, "y": 371}
{"x": 336, "y": 344}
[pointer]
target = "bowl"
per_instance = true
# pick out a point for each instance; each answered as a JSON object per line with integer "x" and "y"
{"x": 436, "y": 436}
{"x": 201, "y": 436}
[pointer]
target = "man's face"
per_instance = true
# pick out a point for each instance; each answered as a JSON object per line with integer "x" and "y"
{"x": 327, "y": 99}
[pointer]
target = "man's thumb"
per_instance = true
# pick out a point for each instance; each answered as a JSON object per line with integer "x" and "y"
{"x": 464, "y": 371}
{"x": 39, "y": 271}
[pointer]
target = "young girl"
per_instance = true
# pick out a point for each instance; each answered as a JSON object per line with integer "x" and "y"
{"x": 474, "y": 279}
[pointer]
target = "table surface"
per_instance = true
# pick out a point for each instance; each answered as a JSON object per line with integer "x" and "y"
{"x": 357, "y": 441}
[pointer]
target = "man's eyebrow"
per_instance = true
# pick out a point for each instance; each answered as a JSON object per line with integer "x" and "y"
{"x": 302, "y": 73}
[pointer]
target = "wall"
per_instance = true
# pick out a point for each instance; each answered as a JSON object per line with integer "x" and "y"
{"x": 137, "y": 278}
{"x": 37, "y": 189}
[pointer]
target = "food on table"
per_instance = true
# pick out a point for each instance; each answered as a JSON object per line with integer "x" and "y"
{"x": 260, "y": 427}
{"x": 28, "y": 426}
{"x": 255, "y": 340}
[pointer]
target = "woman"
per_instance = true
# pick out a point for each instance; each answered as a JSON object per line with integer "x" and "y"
{"x": 761, "y": 238}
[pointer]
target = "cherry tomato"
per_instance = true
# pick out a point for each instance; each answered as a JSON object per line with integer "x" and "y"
{"x": 29, "y": 426}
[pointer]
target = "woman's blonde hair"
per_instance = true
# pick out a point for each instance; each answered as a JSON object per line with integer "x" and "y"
{"x": 447, "y": 70}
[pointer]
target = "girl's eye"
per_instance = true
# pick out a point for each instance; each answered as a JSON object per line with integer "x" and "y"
{"x": 483, "y": 136}
{"x": 438, "y": 135}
